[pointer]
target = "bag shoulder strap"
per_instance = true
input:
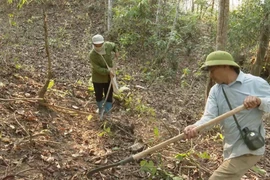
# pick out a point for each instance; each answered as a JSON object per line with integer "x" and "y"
{"x": 234, "y": 117}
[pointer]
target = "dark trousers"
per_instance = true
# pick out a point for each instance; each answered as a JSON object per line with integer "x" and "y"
{"x": 101, "y": 90}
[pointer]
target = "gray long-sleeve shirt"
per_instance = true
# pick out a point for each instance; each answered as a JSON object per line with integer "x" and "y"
{"x": 245, "y": 85}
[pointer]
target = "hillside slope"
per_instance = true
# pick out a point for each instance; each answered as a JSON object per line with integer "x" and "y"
{"x": 64, "y": 138}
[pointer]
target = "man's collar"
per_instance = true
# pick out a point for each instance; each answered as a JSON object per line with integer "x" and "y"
{"x": 240, "y": 77}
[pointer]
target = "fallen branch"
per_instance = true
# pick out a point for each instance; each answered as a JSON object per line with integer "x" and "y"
{"x": 30, "y": 169}
{"x": 28, "y": 138}
{"x": 189, "y": 167}
{"x": 21, "y": 99}
{"x": 60, "y": 108}
{"x": 46, "y": 141}
{"x": 21, "y": 125}
{"x": 34, "y": 135}
{"x": 11, "y": 176}
{"x": 201, "y": 168}
{"x": 48, "y": 105}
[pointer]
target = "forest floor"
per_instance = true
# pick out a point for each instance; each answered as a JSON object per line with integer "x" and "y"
{"x": 64, "y": 138}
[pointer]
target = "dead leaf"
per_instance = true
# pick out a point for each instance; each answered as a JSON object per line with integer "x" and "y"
{"x": 20, "y": 112}
{"x": 76, "y": 155}
{"x": 47, "y": 159}
{"x": 75, "y": 107}
{"x": 140, "y": 87}
{"x": 27, "y": 95}
{"x": 89, "y": 117}
{"x": 170, "y": 166}
{"x": 5, "y": 140}
{"x": 98, "y": 162}
{"x": 137, "y": 147}
{"x": 57, "y": 165}
{"x": 2, "y": 84}
{"x": 30, "y": 116}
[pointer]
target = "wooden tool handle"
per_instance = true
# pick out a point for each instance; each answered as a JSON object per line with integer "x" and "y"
{"x": 220, "y": 118}
{"x": 181, "y": 136}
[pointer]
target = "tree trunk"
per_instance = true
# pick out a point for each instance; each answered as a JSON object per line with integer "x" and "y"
{"x": 222, "y": 26}
{"x": 109, "y": 20}
{"x": 158, "y": 23}
{"x": 43, "y": 90}
{"x": 263, "y": 45}
{"x": 222, "y": 29}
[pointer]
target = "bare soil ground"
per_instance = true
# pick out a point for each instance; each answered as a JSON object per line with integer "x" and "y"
{"x": 65, "y": 138}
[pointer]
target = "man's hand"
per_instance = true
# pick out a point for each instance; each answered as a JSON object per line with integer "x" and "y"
{"x": 190, "y": 131}
{"x": 111, "y": 72}
{"x": 252, "y": 102}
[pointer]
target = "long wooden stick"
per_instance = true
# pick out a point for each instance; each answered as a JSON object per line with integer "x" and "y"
{"x": 167, "y": 142}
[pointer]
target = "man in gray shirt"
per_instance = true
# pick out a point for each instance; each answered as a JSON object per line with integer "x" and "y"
{"x": 240, "y": 88}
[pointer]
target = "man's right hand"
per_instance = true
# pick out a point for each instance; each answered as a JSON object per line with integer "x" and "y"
{"x": 190, "y": 131}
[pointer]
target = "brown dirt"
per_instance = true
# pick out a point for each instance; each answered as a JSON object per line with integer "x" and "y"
{"x": 59, "y": 141}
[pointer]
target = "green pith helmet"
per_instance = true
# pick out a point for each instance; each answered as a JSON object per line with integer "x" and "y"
{"x": 218, "y": 58}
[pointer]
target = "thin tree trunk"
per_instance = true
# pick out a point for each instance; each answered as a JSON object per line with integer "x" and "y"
{"x": 158, "y": 23}
{"x": 109, "y": 20}
{"x": 263, "y": 45}
{"x": 222, "y": 26}
{"x": 222, "y": 29}
{"x": 43, "y": 90}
